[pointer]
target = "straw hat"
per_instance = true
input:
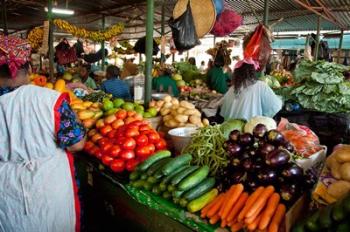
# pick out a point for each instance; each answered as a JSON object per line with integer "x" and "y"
{"x": 203, "y": 11}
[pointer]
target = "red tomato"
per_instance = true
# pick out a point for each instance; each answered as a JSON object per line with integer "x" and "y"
{"x": 106, "y": 147}
{"x": 103, "y": 141}
{"x": 88, "y": 146}
{"x": 117, "y": 165}
{"x": 161, "y": 134}
{"x": 141, "y": 140}
{"x": 142, "y": 151}
{"x": 131, "y": 164}
{"x": 106, "y": 159}
{"x": 120, "y": 140}
{"x": 144, "y": 128}
{"x": 161, "y": 144}
{"x": 93, "y": 150}
{"x": 132, "y": 132}
{"x": 121, "y": 114}
{"x": 105, "y": 130}
{"x": 151, "y": 148}
{"x": 110, "y": 119}
{"x": 127, "y": 154}
{"x": 117, "y": 123}
{"x": 96, "y": 137}
{"x": 153, "y": 137}
{"x": 112, "y": 134}
{"x": 114, "y": 151}
{"x": 136, "y": 123}
{"x": 129, "y": 144}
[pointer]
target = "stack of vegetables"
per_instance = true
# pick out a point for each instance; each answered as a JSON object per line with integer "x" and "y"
{"x": 235, "y": 208}
{"x": 87, "y": 111}
{"x": 174, "y": 178}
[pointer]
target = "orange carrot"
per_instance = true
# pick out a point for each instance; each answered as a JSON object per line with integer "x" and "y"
{"x": 261, "y": 201}
{"x": 251, "y": 200}
{"x": 238, "y": 206}
{"x": 237, "y": 226}
{"x": 230, "y": 223}
{"x": 277, "y": 218}
{"x": 251, "y": 219}
{"x": 223, "y": 223}
{"x": 216, "y": 207}
{"x": 269, "y": 211}
{"x": 213, "y": 220}
{"x": 252, "y": 226}
{"x": 206, "y": 209}
{"x": 233, "y": 197}
{"x": 227, "y": 197}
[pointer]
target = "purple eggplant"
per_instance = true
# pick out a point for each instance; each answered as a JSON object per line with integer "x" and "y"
{"x": 267, "y": 176}
{"x": 251, "y": 183}
{"x": 259, "y": 130}
{"x": 246, "y": 139}
{"x": 247, "y": 164}
{"x": 288, "y": 146}
{"x": 275, "y": 137}
{"x": 277, "y": 158}
{"x": 289, "y": 192}
{"x": 237, "y": 176}
{"x": 292, "y": 171}
{"x": 266, "y": 149}
{"x": 233, "y": 149}
{"x": 234, "y": 135}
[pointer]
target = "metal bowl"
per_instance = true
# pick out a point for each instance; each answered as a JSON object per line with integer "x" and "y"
{"x": 159, "y": 96}
{"x": 181, "y": 137}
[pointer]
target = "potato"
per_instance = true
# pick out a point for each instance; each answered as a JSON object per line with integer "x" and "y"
{"x": 195, "y": 120}
{"x": 187, "y": 105}
{"x": 181, "y": 118}
{"x": 172, "y": 123}
{"x": 167, "y": 99}
{"x": 190, "y": 125}
{"x": 160, "y": 103}
{"x": 334, "y": 166}
{"x": 173, "y": 113}
{"x": 181, "y": 110}
{"x": 189, "y": 112}
{"x": 345, "y": 171}
{"x": 174, "y": 101}
{"x": 342, "y": 155}
{"x": 197, "y": 113}
{"x": 164, "y": 111}
{"x": 205, "y": 122}
{"x": 167, "y": 117}
{"x": 339, "y": 189}
{"x": 167, "y": 105}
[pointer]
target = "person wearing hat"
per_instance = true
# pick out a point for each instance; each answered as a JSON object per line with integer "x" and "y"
{"x": 164, "y": 83}
{"x": 217, "y": 78}
{"x": 38, "y": 132}
{"x": 249, "y": 97}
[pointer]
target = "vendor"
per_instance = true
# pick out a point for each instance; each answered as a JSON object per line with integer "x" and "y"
{"x": 217, "y": 78}
{"x": 249, "y": 97}
{"x": 164, "y": 83}
{"x": 85, "y": 76}
{"x": 113, "y": 85}
{"x": 37, "y": 133}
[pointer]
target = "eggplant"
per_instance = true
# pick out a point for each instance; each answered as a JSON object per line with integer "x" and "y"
{"x": 252, "y": 151}
{"x": 237, "y": 176}
{"x": 267, "y": 176}
{"x": 257, "y": 166}
{"x": 259, "y": 130}
{"x": 251, "y": 183}
{"x": 246, "y": 139}
{"x": 233, "y": 149}
{"x": 247, "y": 164}
{"x": 310, "y": 179}
{"x": 266, "y": 149}
{"x": 234, "y": 135}
{"x": 289, "y": 192}
{"x": 292, "y": 171}
{"x": 288, "y": 146}
{"x": 277, "y": 158}
{"x": 275, "y": 137}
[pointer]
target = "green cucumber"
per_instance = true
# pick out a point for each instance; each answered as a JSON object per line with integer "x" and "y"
{"x": 193, "y": 179}
{"x": 312, "y": 223}
{"x": 177, "y": 194}
{"x": 326, "y": 217}
{"x": 346, "y": 203}
{"x": 343, "y": 227}
{"x": 200, "y": 189}
{"x": 171, "y": 188}
{"x": 156, "y": 190}
{"x": 154, "y": 158}
{"x": 163, "y": 187}
{"x": 172, "y": 175}
{"x": 134, "y": 175}
{"x": 148, "y": 186}
{"x": 176, "y": 200}
{"x": 144, "y": 176}
{"x": 183, "y": 203}
{"x": 152, "y": 180}
{"x": 138, "y": 183}
{"x": 176, "y": 163}
{"x": 166, "y": 195}
{"x": 299, "y": 227}
{"x": 157, "y": 165}
{"x": 179, "y": 177}
{"x": 199, "y": 203}
{"x": 338, "y": 212}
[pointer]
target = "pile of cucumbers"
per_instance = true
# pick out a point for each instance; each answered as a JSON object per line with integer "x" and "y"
{"x": 174, "y": 178}
{"x": 332, "y": 218}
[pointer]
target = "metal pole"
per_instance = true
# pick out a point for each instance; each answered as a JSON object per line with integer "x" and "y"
{"x": 317, "y": 38}
{"x": 266, "y": 12}
{"x": 103, "y": 45}
{"x": 162, "y": 56}
{"x": 149, "y": 50}
{"x": 4, "y": 16}
{"x": 51, "y": 49}
{"x": 214, "y": 40}
{"x": 340, "y": 44}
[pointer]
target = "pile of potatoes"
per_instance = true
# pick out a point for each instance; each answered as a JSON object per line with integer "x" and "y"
{"x": 339, "y": 165}
{"x": 180, "y": 114}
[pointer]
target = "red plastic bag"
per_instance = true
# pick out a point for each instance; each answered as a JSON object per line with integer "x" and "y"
{"x": 253, "y": 47}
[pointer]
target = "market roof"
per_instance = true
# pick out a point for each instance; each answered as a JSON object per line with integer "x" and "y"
{"x": 25, "y": 14}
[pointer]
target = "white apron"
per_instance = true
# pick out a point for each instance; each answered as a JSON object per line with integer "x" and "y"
{"x": 37, "y": 190}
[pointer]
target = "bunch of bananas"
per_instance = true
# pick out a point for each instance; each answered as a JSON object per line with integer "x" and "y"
{"x": 97, "y": 36}
{"x": 35, "y": 37}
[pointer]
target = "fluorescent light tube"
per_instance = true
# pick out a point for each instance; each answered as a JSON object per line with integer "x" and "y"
{"x": 61, "y": 11}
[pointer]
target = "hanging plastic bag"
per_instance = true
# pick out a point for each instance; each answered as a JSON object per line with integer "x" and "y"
{"x": 140, "y": 46}
{"x": 219, "y": 6}
{"x": 184, "y": 31}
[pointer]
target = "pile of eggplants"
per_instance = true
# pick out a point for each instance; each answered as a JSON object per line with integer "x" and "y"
{"x": 264, "y": 158}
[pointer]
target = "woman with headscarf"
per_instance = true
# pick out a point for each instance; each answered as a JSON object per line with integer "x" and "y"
{"x": 38, "y": 132}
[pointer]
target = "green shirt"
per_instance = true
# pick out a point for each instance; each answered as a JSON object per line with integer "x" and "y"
{"x": 163, "y": 84}
{"x": 90, "y": 83}
{"x": 218, "y": 79}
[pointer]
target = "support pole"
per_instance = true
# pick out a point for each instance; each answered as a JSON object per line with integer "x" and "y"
{"x": 103, "y": 45}
{"x": 4, "y": 16}
{"x": 340, "y": 44}
{"x": 149, "y": 51}
{"x": 51, "y": 48}
{"x": 162, "y": 56}
{"x": 317, "y": 38}
{"x": 266, "y": 12}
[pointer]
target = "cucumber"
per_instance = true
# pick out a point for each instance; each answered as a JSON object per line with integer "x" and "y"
{"x": 193, "y": 179}
{"x": 144, "y": 176}
{"x": 326, "y": 217}
{"x": 176, "y": 163}
{"x": 177, "y": 194}
{"x": 154, "y": 158}
{"x": 171, "y": 188}
{"x": 156, "y": 190}
{"x": 151, "y": 180}
{"x": 346, "y": 203}
{"x": 200, "y": 189}
{"x": 179, "y": 177}
{"x": 134, "y": 175}
{"x": 163, "y": 187}
{"x": 343, "y": 227}
{"x": 199, "y": 203}
{"x": 148, "y": 186}
{"x": 299, "y": 227}
{"x": 338, "y": 212}
{"x": 172, "y": 175}
{"x": 176, "y": 200}
{"x": 166, "y": 195}
{"x": 183, "y": 203}
{"x": 312, "y": 222}
{"x": 157, "y": 165}
{"x": 138, "y": 183}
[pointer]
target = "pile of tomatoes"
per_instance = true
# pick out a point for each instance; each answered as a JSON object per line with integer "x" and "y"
{"x": 123, "y": 140}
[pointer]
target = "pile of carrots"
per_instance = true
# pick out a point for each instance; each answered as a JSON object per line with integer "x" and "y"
{"x": 260, "y": 211}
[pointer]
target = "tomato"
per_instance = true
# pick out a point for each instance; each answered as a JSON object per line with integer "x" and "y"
{"x": 93, "y": 150}
{"x": 153, "y": 137}
{"x": 131, "y": 164}
{"x": 120, "y": 140}
{"x": 117, "y": 123}
{"x": 112, "y": 134}
{"x": 161, "y": 144}
{"x": 131, "y": 113}
{"x": 106, "y": 159}
{"x": 129, "y": 120}
{"x": 144, "y": 128}
{"x": 138, "y": 117}
{"x": 105, "y": 130}
{"x": 136, "y": 123}
{"x": 100, "y": 123}
{"x": 129, "y": 144}
{"x": 121, "y": 114}
{"x": 141, "y": 140}
{"x": 88, "y": 146}
{"x": 92, "y": 132}
{"x": 127, "y": 154}
{"x": 105, "y": 147}
{"x": 114, "y": 151}
{"x": 142, "y": 151}
{"x": 96, "y": 137}
{"x": 99, "y": 154}
{"x": 132, "y": 132}
{"x": 151, "y": 148}
{"x": 161, "y": 134}
{"x": 117, "y": 165}
{"x": 110, "y": 119}
{"x": 103, "y": 141}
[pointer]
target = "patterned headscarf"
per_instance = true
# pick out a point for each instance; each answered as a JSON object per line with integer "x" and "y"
{"x": 14, "y": 52}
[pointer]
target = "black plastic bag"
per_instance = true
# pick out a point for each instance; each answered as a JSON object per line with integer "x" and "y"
{"x": 184, "y": 31}
{"x": 94, "y": 57}
{"x": 140, "y": 46}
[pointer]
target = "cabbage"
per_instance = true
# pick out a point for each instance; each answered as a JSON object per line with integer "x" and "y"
{"x": 268, "y": 122}
{"x": 231, "y": 125}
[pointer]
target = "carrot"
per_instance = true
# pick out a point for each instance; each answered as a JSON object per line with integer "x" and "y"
{"x": 252, "y": 226}
{"x": 206, "y": 209}
{"x": 233, "y": 197}
{"x": 227, "y": 197}
{"x": 223, "y": 223}
{"x": 230, "y": 223}
{"x": 261, "y": 201}
{"x": 251, "y": 200}
{"x": 250, "y": 220}
{"x": 238, "y": 206}
{"x": 277, "y": 218}
{"x": 213, "y": 220}
{"x": 237, "y": 226}
{"x": 216, "y": 207}
{"x": 269, "y": 211}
